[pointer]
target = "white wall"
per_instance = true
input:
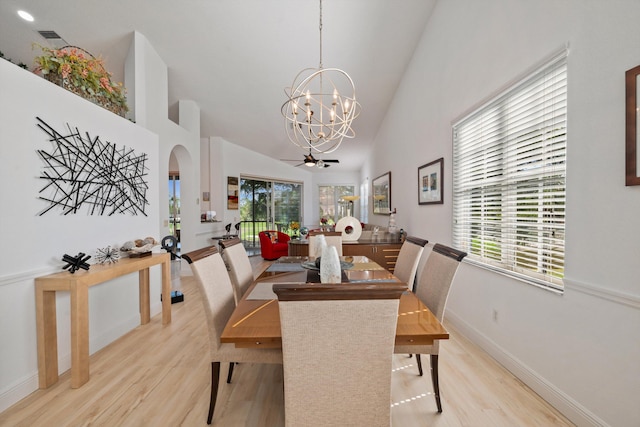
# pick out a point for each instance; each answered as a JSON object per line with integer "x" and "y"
{"x": 147, "y": 78}
{"x": 580, "y": 350}
{"x": 38, "y": 242}
{"x": 34, "y": 245}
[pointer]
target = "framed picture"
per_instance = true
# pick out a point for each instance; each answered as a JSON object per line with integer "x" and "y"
{"x": 232, "y": 192}
{"x": 430, "y": 186}
{"x": 382, "y": 194}
{"x": 632, "y": 150}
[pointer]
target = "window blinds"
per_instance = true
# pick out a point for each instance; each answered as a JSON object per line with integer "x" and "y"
{"x": 509, "y": 159}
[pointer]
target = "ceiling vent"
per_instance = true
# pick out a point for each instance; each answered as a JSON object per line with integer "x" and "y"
{"x": 53, "y": 38}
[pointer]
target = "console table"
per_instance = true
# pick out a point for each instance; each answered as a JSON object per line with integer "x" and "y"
{"x": 383, "y": 251}
{"x": 78, "y": 285}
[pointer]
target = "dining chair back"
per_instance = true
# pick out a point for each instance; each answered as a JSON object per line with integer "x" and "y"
{"x": 240, "y": 269}
{"x": 324, "y": 331}
{"x": 434, "y": 284}
{"x": 216, "y": 293}
{"x": 408, "y": 260}
{"x": 333, "y": 238}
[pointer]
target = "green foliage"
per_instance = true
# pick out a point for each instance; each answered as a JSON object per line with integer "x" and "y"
{"x": 20, "y": 64}
{"x": 82, "y": 73}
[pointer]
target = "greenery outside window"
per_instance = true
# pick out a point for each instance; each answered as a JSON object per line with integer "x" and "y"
{"x": 509, "y": 172}
{"x": 268, "y": 205}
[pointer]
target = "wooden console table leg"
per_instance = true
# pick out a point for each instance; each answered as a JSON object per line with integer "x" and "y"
{"x": 79, "y": 335}
{"x": 145, "y": 302}
{"x": 166, "y": 291}
{"x": 47, "y": 337}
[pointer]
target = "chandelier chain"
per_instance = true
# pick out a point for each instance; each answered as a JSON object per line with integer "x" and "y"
{"x": 321, "y": 105}
{"x": 320, "y": 27}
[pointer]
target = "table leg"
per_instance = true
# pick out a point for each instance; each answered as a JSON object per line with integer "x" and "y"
{"x": 145, "y": 303}
{"x": 79, "y": 335}
{"x": 166, "y": 292}
{"x": 47, "y": 337}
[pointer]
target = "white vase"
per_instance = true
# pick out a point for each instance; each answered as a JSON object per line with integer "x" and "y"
{"x": 319, "y": 243}
{"x": 330, "y": 266}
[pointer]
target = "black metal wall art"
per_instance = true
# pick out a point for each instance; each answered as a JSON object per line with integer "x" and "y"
{"x": 82, "y": 171}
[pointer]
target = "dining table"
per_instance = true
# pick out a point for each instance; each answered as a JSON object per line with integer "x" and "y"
{"x": 255, "y": 322}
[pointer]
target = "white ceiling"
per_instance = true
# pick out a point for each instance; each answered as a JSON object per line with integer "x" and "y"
{"x": 235, "y": 57}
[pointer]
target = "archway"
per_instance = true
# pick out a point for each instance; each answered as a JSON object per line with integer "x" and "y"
{"x": 182, "y": 186}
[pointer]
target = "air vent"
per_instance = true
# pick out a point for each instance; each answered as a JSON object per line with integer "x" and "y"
{"x": 53, "y": 38}
{"x": 49, "y": 34}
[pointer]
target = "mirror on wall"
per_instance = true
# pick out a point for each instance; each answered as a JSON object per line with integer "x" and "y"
{"x": 632, "y": 152}
{"x": 381, "y": 192}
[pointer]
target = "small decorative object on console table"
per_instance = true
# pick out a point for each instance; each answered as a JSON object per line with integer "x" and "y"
{"x": 78, "y": 71}
{"x": 139, "y": 248}
{"x": 107, "y": 255}
{"x": 75, "y": 263}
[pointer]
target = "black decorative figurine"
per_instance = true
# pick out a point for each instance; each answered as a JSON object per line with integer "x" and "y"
{"x": 76, "y": 262}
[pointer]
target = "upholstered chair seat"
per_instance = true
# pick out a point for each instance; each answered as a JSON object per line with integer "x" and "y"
{"x": 218, "y": 302}
{"x": 434, "y": 284}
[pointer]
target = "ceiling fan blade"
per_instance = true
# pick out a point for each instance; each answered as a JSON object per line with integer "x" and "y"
{"x": 331, "y": 161}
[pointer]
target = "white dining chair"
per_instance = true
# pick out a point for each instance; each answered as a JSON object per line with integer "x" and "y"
{"x": 333, "y": 238}
{"x": 433, "y": 288}
{"x": 216, "y": 293}
{"x": 240, "y": 269}
{"x": 408, "y": 260}
{"x": 324, "y": 331}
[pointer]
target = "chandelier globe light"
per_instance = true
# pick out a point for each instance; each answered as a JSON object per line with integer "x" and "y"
{"x": 320, "y": 108}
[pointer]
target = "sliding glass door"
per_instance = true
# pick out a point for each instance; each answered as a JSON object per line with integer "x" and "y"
{"x": 268, "y": 205}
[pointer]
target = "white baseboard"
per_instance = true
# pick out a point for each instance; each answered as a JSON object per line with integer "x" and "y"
{"x": 18, "y": 391}
{"x": 571, "y": 409}
{"x": 24, "y": 387}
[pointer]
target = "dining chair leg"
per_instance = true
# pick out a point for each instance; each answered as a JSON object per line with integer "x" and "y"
{"x": 434, "y": 380}
{"x": 215, "y": 380}
{"x": 231, "y": 365}
{"x": 419, "y": 360}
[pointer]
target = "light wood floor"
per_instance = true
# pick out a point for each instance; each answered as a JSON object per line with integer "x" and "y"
{"x": 160, "y": 376}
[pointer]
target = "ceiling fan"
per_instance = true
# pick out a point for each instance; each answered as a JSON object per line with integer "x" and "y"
{"x": 310, "y": 161}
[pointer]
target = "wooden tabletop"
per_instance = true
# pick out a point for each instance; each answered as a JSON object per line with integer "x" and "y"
{"x": 256, "y": 320}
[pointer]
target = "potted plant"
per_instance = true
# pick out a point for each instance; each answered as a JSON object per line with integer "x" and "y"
{"x": 294, "y": 226}
{"x": 80, "y": 72}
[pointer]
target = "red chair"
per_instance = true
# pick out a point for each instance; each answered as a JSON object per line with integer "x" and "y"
{"x": 271, "y": 249}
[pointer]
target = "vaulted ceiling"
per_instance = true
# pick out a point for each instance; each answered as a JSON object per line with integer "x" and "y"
{"x": 235, "y": 57}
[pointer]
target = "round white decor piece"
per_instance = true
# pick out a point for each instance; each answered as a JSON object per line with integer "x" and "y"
{"x": 349, "y": 234}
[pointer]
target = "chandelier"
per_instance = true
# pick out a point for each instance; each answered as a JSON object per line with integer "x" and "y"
{"x": 320, "y": 107}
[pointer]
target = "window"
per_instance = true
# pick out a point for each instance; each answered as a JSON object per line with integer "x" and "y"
{"x": 268, "y": 205}
{"x": 509, "y": 161}
{"x": 331, "y": 208}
